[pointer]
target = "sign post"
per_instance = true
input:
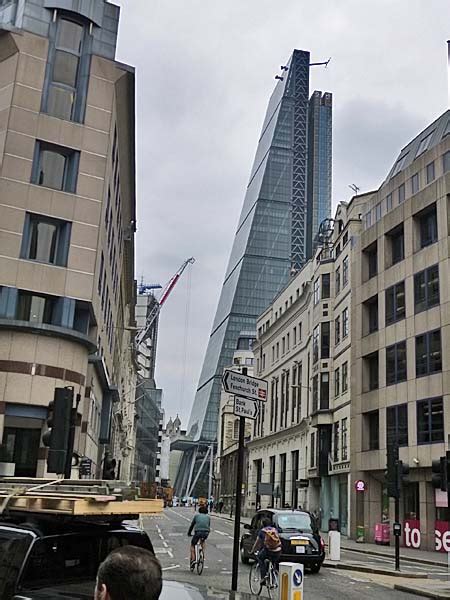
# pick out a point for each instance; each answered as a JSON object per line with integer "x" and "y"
{"x": 291, "y": 581}
{"x": 248, "y": 391}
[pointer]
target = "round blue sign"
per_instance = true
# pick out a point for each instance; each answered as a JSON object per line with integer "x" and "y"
{"x": 298, "y": 578}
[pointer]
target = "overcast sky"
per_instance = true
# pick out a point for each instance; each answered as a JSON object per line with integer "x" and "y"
{"x": 204, "y": 72}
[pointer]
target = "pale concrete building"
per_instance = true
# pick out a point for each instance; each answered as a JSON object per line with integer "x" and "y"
{"x": 67, "y": 223}
{"x": 401, "y": 339}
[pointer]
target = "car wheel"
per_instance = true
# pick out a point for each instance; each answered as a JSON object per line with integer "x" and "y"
{"x": 315, "y": 568}
{"x": 244, "y": 556}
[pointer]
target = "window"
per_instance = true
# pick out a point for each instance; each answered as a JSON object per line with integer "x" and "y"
{"x": 55, "y": 167}
{"x": 315, "y": 393}
{"x": 370, "y": 262}
{"x": 336, "y": 441}
{"x": 370, "y": 372}
{"x": 324, "y": 391}
{"x": 415, "y": 183}
{"x": 401, "y": 193}
{"x": 430, "y": 172}
{"x": 45, "y": 240}
{"x": 326, "y": 285}
{"x": 294, "y": 336}
{"x": 373, "y": 425}
{"x": 396, "y": 363}
{"x": 64, "y": 98}
{"x": 378, "y": 211}
{"x": 325, "y": 341}
{"x": 399, "y": 164}
{"x": 397, "y": 425}
{"x": 316, "y": 335}
{"x": 389, "y": 202}
{"x": 337, "y": 330}
{"x": 312, "y": 462}
{"x": 430, "y": 421}
{"x": 337, "y": 382}
{"x": 345, "y": 271}
{"x": 283, "y": 346}
{"x": 299, "y": 332}
{"x": 395, "y": 303}
{"x": 370, "y": 315}
{"x": 424, "y": 143}
{"x": 344, "y": 377}
{"x": 344, "y": 238}
{"x": 316, "y": 291}
{"x": 395, "y": 245}
{"x": 345, "y": 322}
{"x": 428, "y": 353}
{"x": 446, "y": 161}
{"x": 35, "y": 308}
{"x": 426, "y": 288}
{"x": 337, "y": 276}
{"x": 337, "y": 250}
{"x": 344, "y": 439}
{"x": 427, "y": 226}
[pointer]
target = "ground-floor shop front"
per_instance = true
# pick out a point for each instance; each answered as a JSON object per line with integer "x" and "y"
{"x": 423, "y": 512}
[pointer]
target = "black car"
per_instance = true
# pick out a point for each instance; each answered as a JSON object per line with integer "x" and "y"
{"x": 42, "y": 558}
{"x": 299, "y": 534}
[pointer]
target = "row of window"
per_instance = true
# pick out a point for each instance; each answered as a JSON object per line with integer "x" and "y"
{"x": 428, "y": 360}
{"x": 426, "y": 296}
{"x": 321, "y": 287}
{"x": 426, "y": 233}
{"x": 398, "y": 197}
{"x": 429, "y": 424}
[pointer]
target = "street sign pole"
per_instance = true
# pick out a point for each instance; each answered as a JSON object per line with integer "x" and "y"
{"x": 237, "y": 513}
{"x": 397, "y": 537}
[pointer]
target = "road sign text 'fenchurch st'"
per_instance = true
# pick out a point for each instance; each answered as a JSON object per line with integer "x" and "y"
{"x": 243, "y": 385}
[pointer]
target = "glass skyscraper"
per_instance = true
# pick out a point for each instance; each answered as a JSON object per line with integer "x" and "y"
{"x": 270, "y": 240}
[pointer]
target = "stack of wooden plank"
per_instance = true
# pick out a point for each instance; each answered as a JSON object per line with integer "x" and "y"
{"x": 77, "y": 498}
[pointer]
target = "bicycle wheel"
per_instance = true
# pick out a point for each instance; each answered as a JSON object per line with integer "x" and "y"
{"x": 254, "y": 579}
{"x": 200, "y": 562}
{"x": 272, "y": 582}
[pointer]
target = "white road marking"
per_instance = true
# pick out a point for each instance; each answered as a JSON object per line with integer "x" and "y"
{"x": 171, "y": 567}
{"x": 161, "y": 535}
{"x": 170, "y": 553}
{"x": 162, "y": 551}
{"x": 165, "y": 544}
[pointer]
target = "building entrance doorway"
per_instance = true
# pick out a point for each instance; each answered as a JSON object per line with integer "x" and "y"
{"x": 21, "y": 447}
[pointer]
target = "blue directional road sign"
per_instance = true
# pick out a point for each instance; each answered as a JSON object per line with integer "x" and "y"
{"x": 297, "y": 578}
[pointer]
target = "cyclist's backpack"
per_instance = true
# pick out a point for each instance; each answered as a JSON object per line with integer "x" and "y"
{"x": 271, "y": 538}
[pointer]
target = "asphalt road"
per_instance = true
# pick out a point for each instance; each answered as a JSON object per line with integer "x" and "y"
{"x": 168, "y": 533}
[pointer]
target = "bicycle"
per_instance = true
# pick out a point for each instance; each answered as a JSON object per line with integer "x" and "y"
{"x": 199, "y": 562}
{"x": 271, "y": 580}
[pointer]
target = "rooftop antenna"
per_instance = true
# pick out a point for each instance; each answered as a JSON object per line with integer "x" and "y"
{"x": 448, "y": 70}
{"x": 354, "y": 187}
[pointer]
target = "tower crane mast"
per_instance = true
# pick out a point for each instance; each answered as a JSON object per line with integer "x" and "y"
{"x": 145, "y": 331}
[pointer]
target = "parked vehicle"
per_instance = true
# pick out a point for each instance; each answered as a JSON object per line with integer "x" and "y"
{"x": 299, "y": 535}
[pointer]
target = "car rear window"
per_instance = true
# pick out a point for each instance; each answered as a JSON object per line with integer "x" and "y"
{"x": 295, "y": 522}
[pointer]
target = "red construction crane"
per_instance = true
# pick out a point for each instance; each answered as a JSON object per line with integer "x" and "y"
{"x": 145, "y": 331}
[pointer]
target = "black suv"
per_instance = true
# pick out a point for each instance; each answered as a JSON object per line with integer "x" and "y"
{"x": 299, "y": 535}
{"x": 58, "y": 558}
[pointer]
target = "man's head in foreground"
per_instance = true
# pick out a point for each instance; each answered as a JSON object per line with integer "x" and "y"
{"x": 129, "y": 573}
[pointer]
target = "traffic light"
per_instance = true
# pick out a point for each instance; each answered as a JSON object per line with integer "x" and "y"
{"x": 439, "y": 473}
{"x": 402, "y": 472}
{"x": 56, "y": 438}
{"x": 392, "y": 480}
{"x": 109, "y": 466}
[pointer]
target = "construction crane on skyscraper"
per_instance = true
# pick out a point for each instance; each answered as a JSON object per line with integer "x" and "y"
{"x": 153, "y": 314}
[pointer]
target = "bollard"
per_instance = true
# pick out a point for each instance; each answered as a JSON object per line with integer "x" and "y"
{"x": 334, "y": 545}
{"x": 291, "y": 581}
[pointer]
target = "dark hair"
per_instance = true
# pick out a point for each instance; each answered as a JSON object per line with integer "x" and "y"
{"x": 203, "y": 509}
{"x": 266, "y": 522}
{"x": 131, "y": 573}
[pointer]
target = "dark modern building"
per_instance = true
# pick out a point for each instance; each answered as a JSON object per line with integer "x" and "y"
{"x": 270, "y": 241}
{"x": 319, "y": 166}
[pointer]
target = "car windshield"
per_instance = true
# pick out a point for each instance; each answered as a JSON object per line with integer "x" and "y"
{"x": 13, "y": 549}
{"x": 294, "y": 522}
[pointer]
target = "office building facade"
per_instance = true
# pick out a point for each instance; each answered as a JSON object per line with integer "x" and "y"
{"x": 400, "y": 347}
{"x": 67, "y": 189}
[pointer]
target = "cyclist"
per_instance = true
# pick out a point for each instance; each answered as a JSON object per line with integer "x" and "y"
{"x": 201, "y": 524}
{"x": 269, "y": 545}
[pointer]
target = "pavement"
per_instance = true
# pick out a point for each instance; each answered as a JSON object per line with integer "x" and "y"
{"x": 356, "y": 575}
